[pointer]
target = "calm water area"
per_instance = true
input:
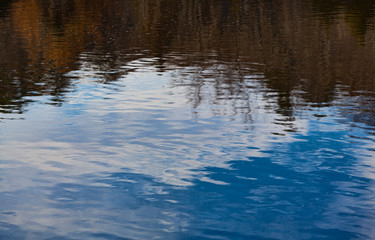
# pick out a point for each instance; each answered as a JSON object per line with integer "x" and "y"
{"x": 187, "y": 119}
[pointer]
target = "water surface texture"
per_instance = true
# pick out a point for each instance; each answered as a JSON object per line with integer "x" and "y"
{"x": 187, "y": 119}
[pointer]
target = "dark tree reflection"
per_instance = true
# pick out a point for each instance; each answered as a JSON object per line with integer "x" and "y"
{"x": 223, "y": 41}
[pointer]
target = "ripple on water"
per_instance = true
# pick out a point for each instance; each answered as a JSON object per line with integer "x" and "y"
{"x": 218, "y": 120}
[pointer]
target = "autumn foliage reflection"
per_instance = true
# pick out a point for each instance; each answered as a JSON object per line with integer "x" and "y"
{"x": 304, "y": 49}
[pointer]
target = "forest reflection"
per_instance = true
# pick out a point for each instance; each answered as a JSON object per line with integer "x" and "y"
{"x": 307, "y": 50}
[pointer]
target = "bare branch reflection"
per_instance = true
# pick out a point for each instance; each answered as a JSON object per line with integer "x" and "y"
{"x": 301, "y": 50}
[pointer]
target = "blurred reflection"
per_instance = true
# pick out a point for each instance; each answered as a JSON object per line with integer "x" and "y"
{"x": 220, "y": 40}
{"x": 357, "y": 14}
{"x": 175, "y": 115}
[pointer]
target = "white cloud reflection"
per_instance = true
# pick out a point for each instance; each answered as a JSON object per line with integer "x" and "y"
{"x": 143, "y": 123}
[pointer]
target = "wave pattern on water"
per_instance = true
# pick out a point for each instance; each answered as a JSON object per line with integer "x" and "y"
{"x": 187, "y": 119}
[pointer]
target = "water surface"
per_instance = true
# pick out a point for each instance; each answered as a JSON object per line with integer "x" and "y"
{"x": 192, "y": 119}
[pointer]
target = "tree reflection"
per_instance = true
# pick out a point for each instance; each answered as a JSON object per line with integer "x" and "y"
{"x": 357, "y": 14}
{"x": 222, "y": 39}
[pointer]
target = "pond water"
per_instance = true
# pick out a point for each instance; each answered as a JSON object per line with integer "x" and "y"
{"x": 189, "y": 119}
